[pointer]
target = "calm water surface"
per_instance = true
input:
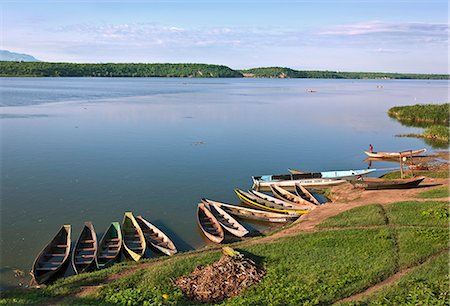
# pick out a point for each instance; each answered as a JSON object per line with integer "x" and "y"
{"x": 78, "y": 149}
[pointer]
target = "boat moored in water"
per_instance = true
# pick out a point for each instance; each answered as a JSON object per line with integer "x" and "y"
{"x": 337, "y": 174}
{"x": 134, "y": 244}
{"x": 84, "y": 254}
{"x": 109, "y": 246}
{"x": 294, "y": 199}
{"x": 408, "y": 153}
{"x": 156, "y": 238}
{"x": 52, "y": 260}
{"x": 209, "y": 224}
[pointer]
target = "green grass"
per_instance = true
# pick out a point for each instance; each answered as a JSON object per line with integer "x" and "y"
{"x": 433, "y": 113}
{"x": 427, "y": 285}
{"x": 416, "y": 244}
{"x": 368, "y": 215}
{"x": 437, "y": 132}
{"x": 430, "y": 213}
{"x": 439, "y": 192}
{"x": 431, "y": 174}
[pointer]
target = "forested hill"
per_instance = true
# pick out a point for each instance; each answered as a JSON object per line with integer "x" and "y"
{"x": 45, "y": 69}
{"x": 281, "y": 72}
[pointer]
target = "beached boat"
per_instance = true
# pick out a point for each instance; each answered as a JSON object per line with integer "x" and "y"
{"x": 337, "y": 174}
{"x": 294, "y": 199}
{"x": 395, "y": 154}
{"x": 252, "y": 214}
{"x": 84, "y": 254}
{"x": 274, "y": 202}
{"x": 289, "y": 181}
{"x": 52, "y": 260}
{"x": 379, "y": 183}
{"x": 110, "y": 246}
{"x": 230, "y": 224}
{"x": 305, "y": 194}
{"x": 209, "y": 225}
{"x": 133, "y": 238}
{"x": 156, "y": 238}
{"x": 253, "y": 200}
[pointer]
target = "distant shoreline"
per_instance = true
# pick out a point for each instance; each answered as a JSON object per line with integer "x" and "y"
{"x": 47, "y": 69}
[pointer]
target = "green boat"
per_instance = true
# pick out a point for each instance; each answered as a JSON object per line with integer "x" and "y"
{"x": 110, "y": 246}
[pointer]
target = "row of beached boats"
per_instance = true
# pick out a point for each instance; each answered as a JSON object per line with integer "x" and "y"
{"x": 216, "y": 218}
{"x": 87, "y": 255}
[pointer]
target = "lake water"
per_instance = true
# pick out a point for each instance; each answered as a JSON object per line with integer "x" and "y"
{"x": 79, "y": 149}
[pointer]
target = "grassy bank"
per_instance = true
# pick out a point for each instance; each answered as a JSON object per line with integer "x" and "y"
{"x": 430, "y": 113}
{"x": 317, "y": 268}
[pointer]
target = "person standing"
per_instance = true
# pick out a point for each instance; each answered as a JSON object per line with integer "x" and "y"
{"x": 370, "y": 148}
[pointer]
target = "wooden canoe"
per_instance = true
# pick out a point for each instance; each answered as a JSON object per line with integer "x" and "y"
{"x": 395, "y": 154}
{"x": 209, "y": 225}
{"x": 252, "y": 214}
{"x": 156, "y": 238}
{"x": 110, "y": 246}
{"x": 133, "y": 238}
{"x": 273, "y": 202}
{"x": 379, "y": 183}
{"x": 84, "y": 254}
{"x": 254, "y": 200}
{"x": 289, "y": 197}
{"x": 228, "y": 222}
{"x": 305, "y": 194}
{"x": 52, "y": 260}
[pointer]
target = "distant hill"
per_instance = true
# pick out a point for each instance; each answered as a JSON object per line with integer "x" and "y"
{"x": 8, "y": 56}
{"x": 18, "y": 67}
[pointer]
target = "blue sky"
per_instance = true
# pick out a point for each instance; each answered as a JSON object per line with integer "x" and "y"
{"x": 394, "y": 36}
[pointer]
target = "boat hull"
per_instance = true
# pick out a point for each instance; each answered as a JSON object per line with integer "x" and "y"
{"x": 394, "y": 154}
{"x": 134, "y": 244}
{"x": 379, "y": 184}
{"x": 110, "y": 246}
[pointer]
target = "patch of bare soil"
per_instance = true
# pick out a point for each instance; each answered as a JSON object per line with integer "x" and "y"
{"x": 221, "y": 280}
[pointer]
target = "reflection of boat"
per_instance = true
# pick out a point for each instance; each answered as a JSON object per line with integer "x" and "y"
{"x": 253, "y": 214}
{"x": 379, "y": 183}
{"x": 395, "y": 154}
{"x": 110, "y": 246}
{"x": 53, "y": 258}
{"x": 289, "y": 197}
{"x": 155, "y": 237}
{"x": 255, "y": 200}
{"x": 133, "y": 238}
{"x": 227, "y": 221}
{"x": 209, "y": 224}
{"x": 84, "y": 255}
{"x": 332, "y": 174}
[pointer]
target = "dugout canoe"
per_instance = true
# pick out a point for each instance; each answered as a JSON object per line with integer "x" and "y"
{"x": 109, "y": 246}
{"x": 408, "y": 153}
{"x": 156, "y": 238}
{"x": 53, "y": 259}
{"x": 296, "y": 200}
{"x": 274, "y": 202}
{"x": 134, "y": 244}
{"x": 335, "y": 174}
{"x": 252, "y": 214}
{"x": 254, "y": 200}
{"x": 84, "y": 254}
{"x": 379, "y": 183}
{"x": 289, "y": 181}
{"x": 209, "y": 225}
{"x": 230, "y": 224}
{"x": 305, "y": 194}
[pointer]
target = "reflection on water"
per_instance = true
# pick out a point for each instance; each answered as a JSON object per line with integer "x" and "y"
{"x": 87, "y": 149}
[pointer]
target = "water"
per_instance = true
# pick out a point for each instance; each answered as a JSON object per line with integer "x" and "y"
{"x": 78, "y": 149}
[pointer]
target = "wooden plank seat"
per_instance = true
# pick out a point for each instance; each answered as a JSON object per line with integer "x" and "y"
{"x": 107, "y": 256}
{"x": 62, "y": 246}
{"x": 47, "y": 268}
{"x": 50, "y": 255}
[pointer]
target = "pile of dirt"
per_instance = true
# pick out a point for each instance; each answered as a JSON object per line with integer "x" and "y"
{"x": 221, "y": 280}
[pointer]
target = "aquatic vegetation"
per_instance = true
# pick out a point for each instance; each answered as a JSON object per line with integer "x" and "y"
{"x": 430, "y": 113}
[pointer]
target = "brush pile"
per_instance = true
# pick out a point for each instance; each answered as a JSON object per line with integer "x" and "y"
{"x": 221, "y": 280}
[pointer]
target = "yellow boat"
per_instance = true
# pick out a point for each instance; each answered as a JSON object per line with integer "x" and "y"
{"x": 261, "y": 203}
{"x": 133, "y": 238}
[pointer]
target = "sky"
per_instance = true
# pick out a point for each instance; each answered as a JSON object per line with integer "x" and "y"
{"x": 389, "y": 36}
